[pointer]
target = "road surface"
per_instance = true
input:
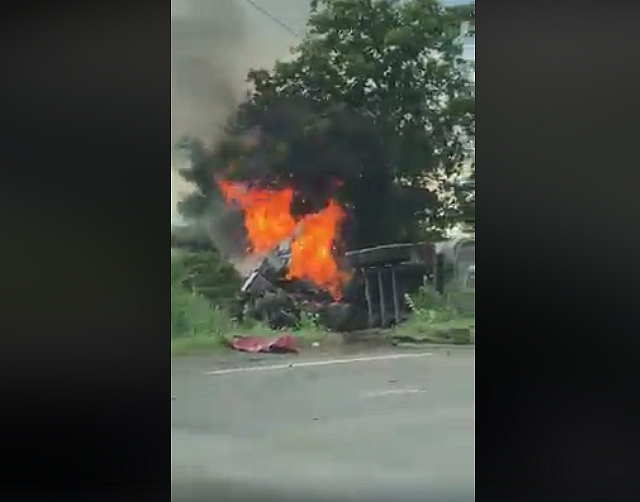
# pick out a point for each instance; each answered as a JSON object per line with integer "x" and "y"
{"x": 397, "y": 424}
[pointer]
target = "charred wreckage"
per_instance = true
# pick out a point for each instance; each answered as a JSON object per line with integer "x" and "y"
{"x": 373, "y": 297}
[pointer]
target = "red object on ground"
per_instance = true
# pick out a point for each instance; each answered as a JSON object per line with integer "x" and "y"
{"x": 255, "y": 344}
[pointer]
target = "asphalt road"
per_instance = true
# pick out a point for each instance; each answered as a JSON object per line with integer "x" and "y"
{"x": 380, "y": 426}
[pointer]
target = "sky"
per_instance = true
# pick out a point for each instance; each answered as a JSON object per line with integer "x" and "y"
{"x": 267, "y": 39}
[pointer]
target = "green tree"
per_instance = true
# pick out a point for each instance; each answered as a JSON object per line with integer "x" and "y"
{"x": 398, "y": 62}
{"x": 377, "y": 95}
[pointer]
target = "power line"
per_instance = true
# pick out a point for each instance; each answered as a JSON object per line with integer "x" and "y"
{"x": 272, "y": 17}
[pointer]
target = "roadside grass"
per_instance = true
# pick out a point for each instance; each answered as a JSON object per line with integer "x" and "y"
{"x": 195, "y": 323}
{"x": 200, "y": 323}
{"x": 309, "y": 330}
{"x": 437, "y": 319}
{"x": 198, "y": 327}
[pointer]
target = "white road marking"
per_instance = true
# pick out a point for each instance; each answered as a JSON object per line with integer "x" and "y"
{"x": 394, "y": 392}
{"x": 310, "y": 364}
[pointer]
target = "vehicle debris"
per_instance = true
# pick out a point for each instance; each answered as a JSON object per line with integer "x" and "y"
{"x": 258, "y": 344}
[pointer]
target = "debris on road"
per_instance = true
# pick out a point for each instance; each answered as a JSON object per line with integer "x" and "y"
{"x": 256, "y": 344}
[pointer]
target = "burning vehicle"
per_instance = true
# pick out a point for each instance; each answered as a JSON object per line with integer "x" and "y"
{"x": 301, "y": 266}
{"x": 298, "y": 265}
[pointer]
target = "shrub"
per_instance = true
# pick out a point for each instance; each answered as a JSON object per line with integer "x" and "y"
{"x": 432, "y": 307}
{"x": 437, "y": 319}
{"x": 194, "y": 315}
{"x": 207, "y": 274}
{"x": 202, "y": 286}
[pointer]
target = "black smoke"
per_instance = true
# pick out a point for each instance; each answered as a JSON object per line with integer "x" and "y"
{"x": 323, "y": 153}
{"x": 208, "y": 42}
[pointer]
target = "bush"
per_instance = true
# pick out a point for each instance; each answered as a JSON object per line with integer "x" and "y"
{"x": 206, "y": 274}
{"x": 202, "y": 286}
{"x": 194, "y": 315}
{"x": 432, "y": 307}
{"x": 437, "y": 319}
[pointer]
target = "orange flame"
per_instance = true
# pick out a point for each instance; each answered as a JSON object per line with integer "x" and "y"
{"x": 268, "y": 220}
{"x": 266, "y": 214}
{"x": 312, "y": 256}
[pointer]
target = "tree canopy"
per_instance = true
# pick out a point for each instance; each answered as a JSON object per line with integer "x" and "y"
{"x": 377, "y": 95}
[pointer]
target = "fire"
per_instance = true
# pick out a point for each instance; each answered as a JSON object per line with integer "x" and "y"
{"x": 266, "y": 214}
{"x": 268, "y": 220}
{"x": 312, "y": 254}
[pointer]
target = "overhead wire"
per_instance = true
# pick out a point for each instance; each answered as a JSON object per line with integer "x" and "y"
{"x": 272, "y": 17}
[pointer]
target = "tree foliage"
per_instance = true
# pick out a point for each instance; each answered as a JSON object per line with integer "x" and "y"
{"x": 376, "y": 95}
{"x": 465, "y": 208}
{"x": 399, "y": 63}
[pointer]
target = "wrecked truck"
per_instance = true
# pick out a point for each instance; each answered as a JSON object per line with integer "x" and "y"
{"x": 375, "y": 296}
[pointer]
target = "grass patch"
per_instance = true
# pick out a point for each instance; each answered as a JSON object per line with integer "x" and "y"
{"x": 196, "y": 323}
{"x": 198, "y": 326}
{"x": 201, "y": 289}
{"x": 205, "y": 342}
{"x": 309, "y": 330}
{"x": 437, "y": 319}
{"x": 195, "y": 344}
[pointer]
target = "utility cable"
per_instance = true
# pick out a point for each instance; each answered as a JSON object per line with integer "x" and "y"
{"x": 272, "y": 17}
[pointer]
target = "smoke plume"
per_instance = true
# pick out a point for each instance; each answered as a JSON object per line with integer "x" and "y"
{"x": 209, "y": 62}
{"x": 208, "y": 46}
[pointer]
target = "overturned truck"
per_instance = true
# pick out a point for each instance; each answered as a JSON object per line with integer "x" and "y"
{"x": 375, "y": 297}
